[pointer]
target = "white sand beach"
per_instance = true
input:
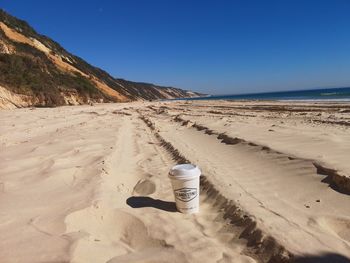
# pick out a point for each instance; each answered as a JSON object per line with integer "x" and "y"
{"x": 90, "y": 183}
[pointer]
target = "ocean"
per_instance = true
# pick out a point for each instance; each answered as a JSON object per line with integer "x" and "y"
{"x": 334, "y": 94}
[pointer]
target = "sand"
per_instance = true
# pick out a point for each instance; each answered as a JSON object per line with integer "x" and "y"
{"x": 89, "y": 183}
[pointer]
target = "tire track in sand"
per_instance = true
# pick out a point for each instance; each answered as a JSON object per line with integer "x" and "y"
{"x": 258, "y": 245}
{"x": 112, "y": 231}
{"x": 267, "y": 177}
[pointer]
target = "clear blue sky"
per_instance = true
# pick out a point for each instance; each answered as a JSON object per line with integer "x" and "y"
{"x": 217, "y": 47}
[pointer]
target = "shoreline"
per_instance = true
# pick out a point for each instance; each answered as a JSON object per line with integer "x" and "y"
{"x": 258, "y": 100}
{"x": 330, "y": 94}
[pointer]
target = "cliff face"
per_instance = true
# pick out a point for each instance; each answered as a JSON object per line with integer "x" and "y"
{"x": 37, "y": 71}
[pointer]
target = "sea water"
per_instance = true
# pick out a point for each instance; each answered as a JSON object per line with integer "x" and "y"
{"x": 334, "y": 94}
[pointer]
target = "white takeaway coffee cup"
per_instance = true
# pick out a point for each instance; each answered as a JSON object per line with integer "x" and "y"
{"x": 185, "y": 181}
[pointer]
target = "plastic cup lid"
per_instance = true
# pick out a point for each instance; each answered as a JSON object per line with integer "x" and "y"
{"x": 185, "y": 171}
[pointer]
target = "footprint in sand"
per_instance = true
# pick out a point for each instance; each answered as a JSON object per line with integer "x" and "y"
{"x": 144, "y": 187}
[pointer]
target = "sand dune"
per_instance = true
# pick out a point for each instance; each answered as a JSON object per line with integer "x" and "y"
{"x": 89, "y": 184}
